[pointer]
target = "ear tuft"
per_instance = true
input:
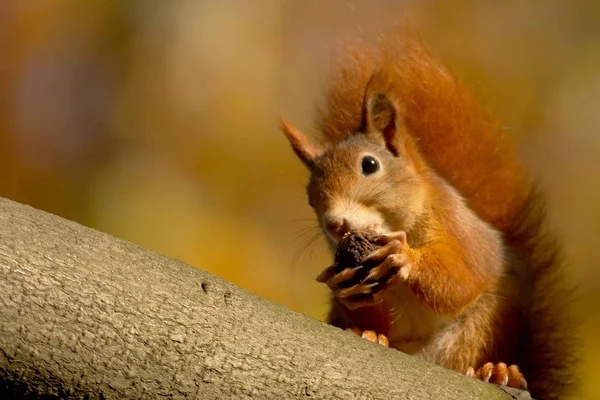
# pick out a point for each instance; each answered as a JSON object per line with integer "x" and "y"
{"x": 301, "y": 146}
{"x": 380, "y": 112}
{"x": 382, "y": 117}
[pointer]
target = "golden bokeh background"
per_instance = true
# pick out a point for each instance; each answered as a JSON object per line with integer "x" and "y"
{"x": 158, "y": 121}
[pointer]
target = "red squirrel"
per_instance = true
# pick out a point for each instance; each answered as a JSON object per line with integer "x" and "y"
{"x": 470, "y": 277}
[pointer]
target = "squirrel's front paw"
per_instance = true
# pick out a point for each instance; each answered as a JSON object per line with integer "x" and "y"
{"x": 351, "y": 290}
{"x": 390, "y": 260}
{"x": 500, "y": 374}
{"x": 371, "y": 336}
{"x": 364, "y": 285}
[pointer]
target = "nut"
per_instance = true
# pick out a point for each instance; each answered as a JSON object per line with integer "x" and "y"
{"x": 353, "y": 247}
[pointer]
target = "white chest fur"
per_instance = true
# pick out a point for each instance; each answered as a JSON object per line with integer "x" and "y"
{"x": 412, "y": 325}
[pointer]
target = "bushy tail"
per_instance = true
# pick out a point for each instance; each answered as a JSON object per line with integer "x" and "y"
{"x": 552, "y": 359}
{"x": 466, "y": 146}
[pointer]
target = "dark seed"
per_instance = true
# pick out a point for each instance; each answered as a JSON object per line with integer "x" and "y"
{"x": 353, "y": 247}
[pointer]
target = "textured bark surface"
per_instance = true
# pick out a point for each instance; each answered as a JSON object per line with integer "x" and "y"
{"x": 83, "y": 314}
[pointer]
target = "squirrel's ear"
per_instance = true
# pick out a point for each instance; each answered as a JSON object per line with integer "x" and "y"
{"x": 382, "y": 116}
{"x": 303, "y": 149}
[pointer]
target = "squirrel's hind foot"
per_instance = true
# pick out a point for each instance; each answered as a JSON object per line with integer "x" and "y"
{"x": 371, "y": 336}
{"x": 500, "y": 374}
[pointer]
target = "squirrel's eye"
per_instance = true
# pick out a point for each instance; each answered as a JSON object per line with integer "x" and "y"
{"x": 369, "y": 165}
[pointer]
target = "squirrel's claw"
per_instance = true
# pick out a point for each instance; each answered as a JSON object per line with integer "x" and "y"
{"x": 500, "y": 374}
{"x": 371, "y": 336}
{"x": 326, "y": 274}
{"x": 339, "y": 279}
{"x": 389, "y": 267}
{"x": 361, "y": 288}
{"x": 389, "y": 264}
{"x": 386, "y": 238}
{"x": 382, "y": 253}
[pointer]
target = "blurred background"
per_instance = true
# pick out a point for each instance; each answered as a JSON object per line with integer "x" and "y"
{"x": 157, "y": 122}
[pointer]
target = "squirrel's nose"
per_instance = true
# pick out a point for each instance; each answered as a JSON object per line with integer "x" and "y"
{"x": 336, "y": 227}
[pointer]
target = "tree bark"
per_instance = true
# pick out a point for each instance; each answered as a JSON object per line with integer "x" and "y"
{"x": 86, "y": 315}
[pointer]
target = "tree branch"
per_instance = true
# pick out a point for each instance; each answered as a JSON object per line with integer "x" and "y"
{"x": 85, "y": 314}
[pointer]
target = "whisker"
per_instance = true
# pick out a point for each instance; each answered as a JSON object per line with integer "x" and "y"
{"x": 378, "y": 194}
{"x": 397, "y": 317}
{"x": 303, "y": 232}
{"x": 371, "y": 190}
{"x": 307, "y": 245}
{"x": 393, "y": 186}
{"x": 302, "y": 220}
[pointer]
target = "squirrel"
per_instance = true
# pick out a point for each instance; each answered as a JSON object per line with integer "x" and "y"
{"x": 470, "y": 276}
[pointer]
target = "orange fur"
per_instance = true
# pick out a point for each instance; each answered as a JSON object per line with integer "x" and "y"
{"x": 497, "y": 292}
{"x": 458, "y": 138}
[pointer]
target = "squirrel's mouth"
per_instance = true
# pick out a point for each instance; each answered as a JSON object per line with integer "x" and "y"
{"x": 343, "y": 216}
{"x": 334, "y": 239}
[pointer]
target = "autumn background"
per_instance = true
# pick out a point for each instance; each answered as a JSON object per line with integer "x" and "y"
{"x": 157, "y": 121}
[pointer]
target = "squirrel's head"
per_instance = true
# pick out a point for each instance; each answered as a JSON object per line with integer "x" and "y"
{"x": 371, "y": 179}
